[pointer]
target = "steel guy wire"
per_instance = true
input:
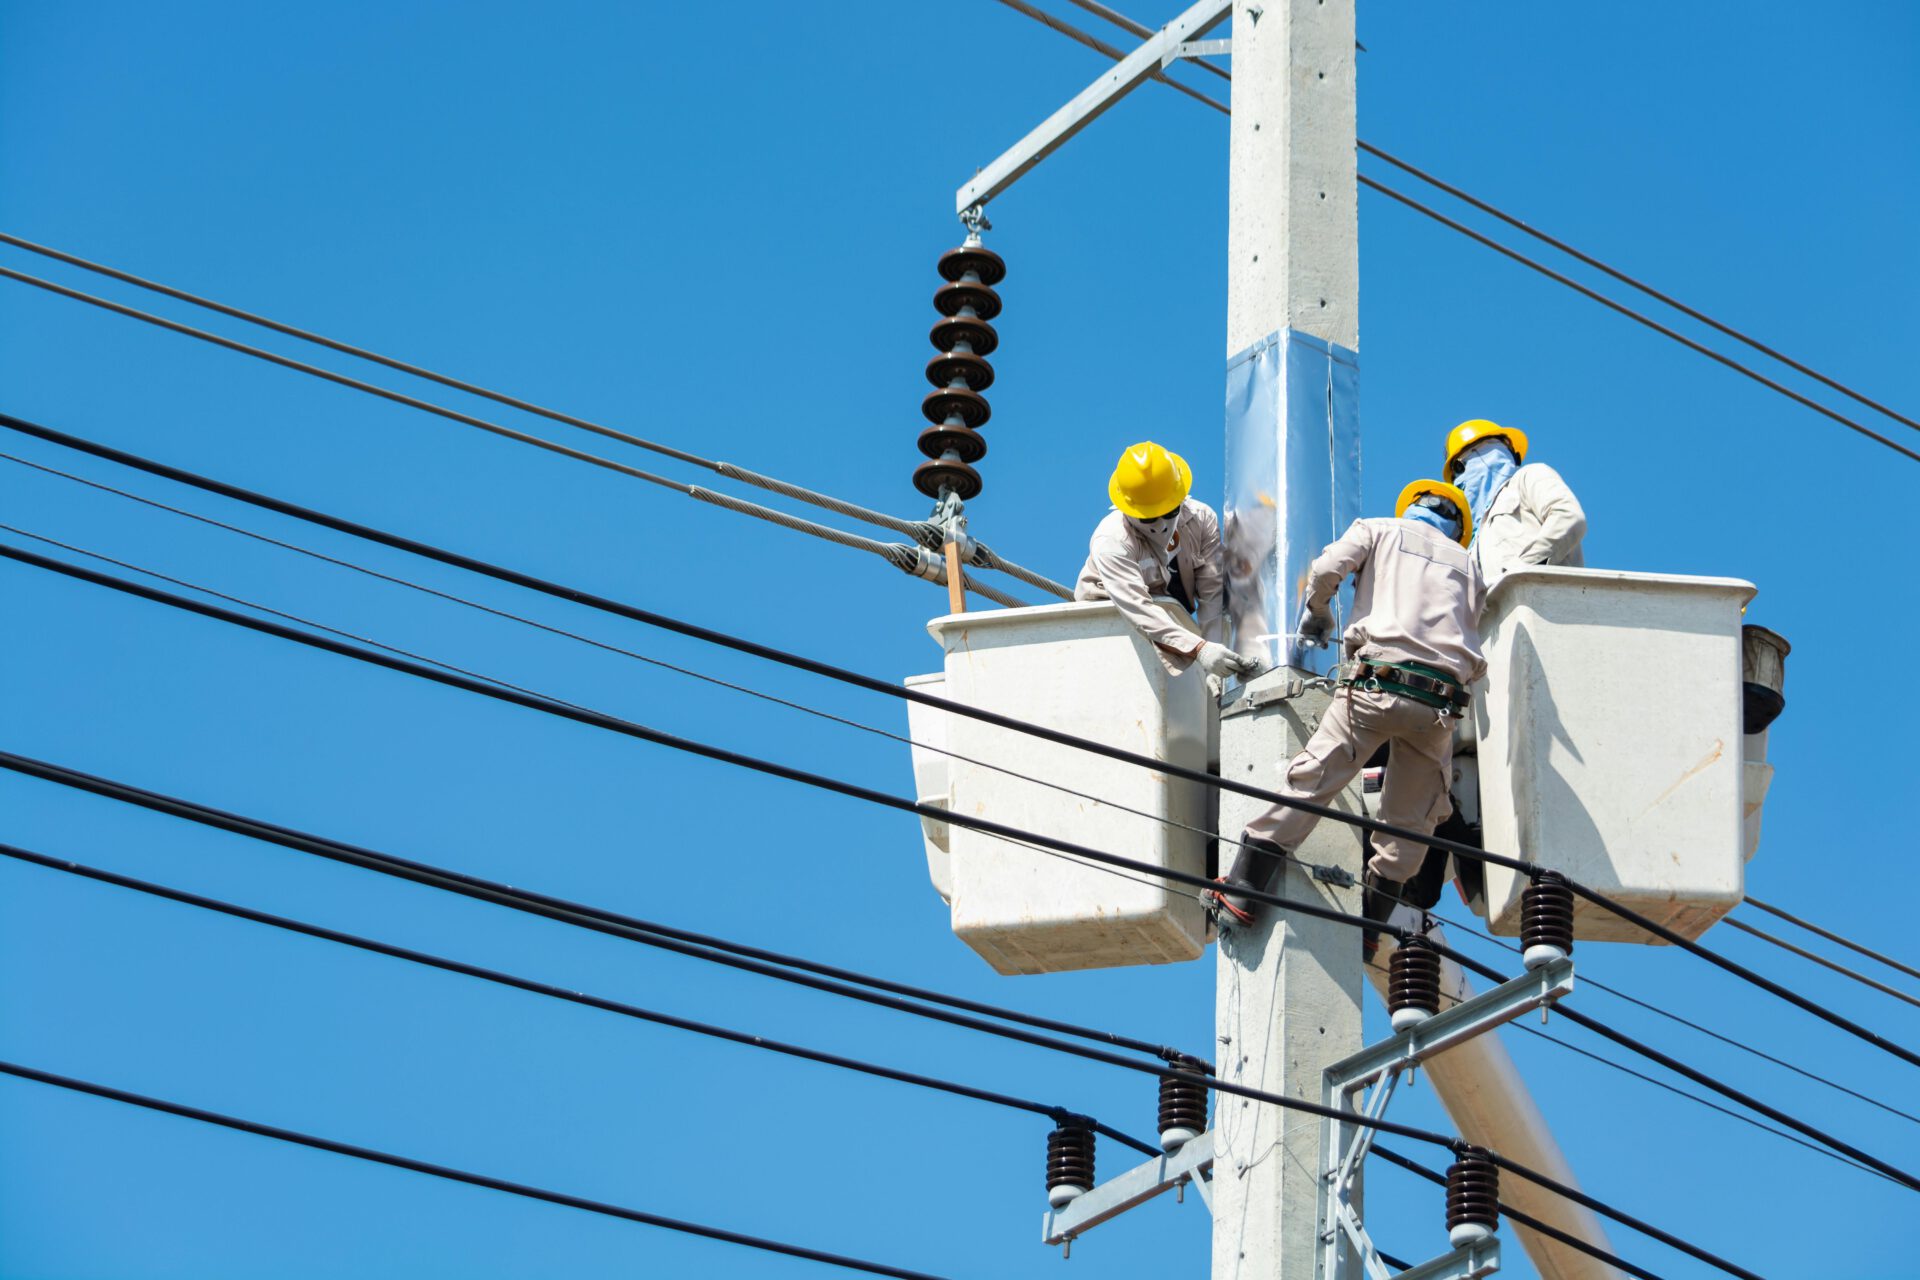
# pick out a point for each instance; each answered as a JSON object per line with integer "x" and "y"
{"x": 1589, "y": 981}
{"x": 524, "y": 620}
{"x": 606, "y": 1005}
{"x": 923, "y": 532}
{"x": 1525, "y": 1220}
{"x": 1111, "y": 52}
{"x": 1658, "y": 1083}
{"x": 899, "y": 555}
{"x": 1837, "y": 967}
{"x": 856, "y": 679}
{"x": 644, "y": 733}
{"x": 451, "y": 1174}
{"x": 1831, "y": 936}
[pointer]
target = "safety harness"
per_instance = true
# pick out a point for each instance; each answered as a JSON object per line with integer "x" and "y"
{"x": 1424, "y": 684}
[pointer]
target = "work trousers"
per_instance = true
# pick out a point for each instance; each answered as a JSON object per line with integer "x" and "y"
{"x": 1413, "y": 794}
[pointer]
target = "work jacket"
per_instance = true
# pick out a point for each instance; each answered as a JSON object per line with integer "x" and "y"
{"x": 1417, "y": 595}
{"x": 1534, "y": 519}
{"x": 1123, "y": 568}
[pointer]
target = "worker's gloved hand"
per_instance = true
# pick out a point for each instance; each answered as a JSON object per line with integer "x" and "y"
{"x": 1218, "y": 660}
{"x": 1316, "y": 626}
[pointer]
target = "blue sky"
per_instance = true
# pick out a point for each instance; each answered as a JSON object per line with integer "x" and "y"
{"x": 723, "y": 237}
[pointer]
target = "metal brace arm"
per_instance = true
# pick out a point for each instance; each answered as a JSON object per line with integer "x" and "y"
{"x": 1089, "y": 104}
{"x": 1196, "y": 49}
{"x": 1449, "y": 1027}
{"x": 1133, "y": 1188}
{"x": 1469, "y": 1263}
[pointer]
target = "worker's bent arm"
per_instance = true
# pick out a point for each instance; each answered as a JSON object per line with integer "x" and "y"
{"x": 1559, "y": 519}
{"x": 1120, "y": 579}
{"x": 1336, "y": 562}
{"x": 1210, "y": 585}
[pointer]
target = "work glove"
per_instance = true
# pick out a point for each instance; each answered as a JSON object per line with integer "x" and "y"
{"x": 1219, "y": 661}
{"x": 1316, "y": 626}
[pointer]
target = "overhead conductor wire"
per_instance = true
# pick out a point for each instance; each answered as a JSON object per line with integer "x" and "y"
{"x": 634, "y": 730}
{"x": 924, "y": 532}
{"x": 1818, "y": 959}
{"x": 1831, "y": 936}
{"x": 899, "y": 555}
{"x": 1092, "y": 42}
{"x": 874, "y": 729}
{"x": 451, "y": 1174}
{"x": 498, "y": 978}
{"x": 893, "y": 690}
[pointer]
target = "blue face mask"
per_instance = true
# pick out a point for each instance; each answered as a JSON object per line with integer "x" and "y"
{"x": 1434, "y": 520}
{"x": 1484, "y": 469}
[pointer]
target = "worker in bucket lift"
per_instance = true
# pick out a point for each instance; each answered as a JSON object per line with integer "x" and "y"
{"x": 1158, "y": 541}
{"x": 1523, "y": 512}
{"x": 1411, "y": 650}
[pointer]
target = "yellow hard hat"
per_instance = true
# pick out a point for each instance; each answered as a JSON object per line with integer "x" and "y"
{"x": 1473, "y": 432}
{"x": 1149, "y": 481}
{"x": 1419, "y": 488}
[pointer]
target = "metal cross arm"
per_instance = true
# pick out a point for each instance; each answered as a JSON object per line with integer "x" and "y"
{"x": 1086, "y": 106}
{"x": 1469, "y": 1018}
{"x": 1191, "y": 1162}
{"x": 1468, "y": 1263}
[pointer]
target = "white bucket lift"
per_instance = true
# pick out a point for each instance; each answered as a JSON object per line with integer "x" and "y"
{"x": 1611, "y": 744}
{"x": 1081, "y": 669}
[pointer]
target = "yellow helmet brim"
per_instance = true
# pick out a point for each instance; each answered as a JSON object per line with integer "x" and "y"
{"x": 1473, "y": 431}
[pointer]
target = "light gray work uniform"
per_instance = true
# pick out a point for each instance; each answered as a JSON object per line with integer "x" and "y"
{"x": 1534, "y": 519}
{"x": 1124, "y": 566}
{"x": 1417, "y": 599}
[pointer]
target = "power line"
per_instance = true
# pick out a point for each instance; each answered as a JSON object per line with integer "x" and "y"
{"x": 903, "y": 557}
{"x": 1631, "y": 314}
{"x": 1525, "y": 1220}
{"x": 508, "y": 615}
{"x": 596, "y": 719}
{"x": 1831, "y": 936}
{"x": 1837, "y": 967}
{"x": 1588, "y": 980}
{"x": 712, "y": 1031}
{"x": 890, "y": 689}
{"x": 1094, "y": 43}
{"x": 1100, "y": 46}
{"x": 924, "y": 532}
{"x": 684, "y": 942}
{"x": 1143, "y": 31}
{"x": 451, "y": 1174}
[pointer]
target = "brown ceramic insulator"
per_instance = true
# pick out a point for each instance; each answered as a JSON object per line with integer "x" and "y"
{"x": 948, "y": 299}
{"x": 1070, "y": 1157}
{"x": 930, "y": 477}
{"x": 1546, "y": 913}
{"x": 1473, "y": 1191}
{"x": 936, "y": 442}
{"x": 1413, "y": 977}
{"x": 975, "y": 372}
{"x": 969, "y": 406}
{"x": 1183, "y": 1105}
{"x": 950, "y": 332}
{"x": 983, "y": 262}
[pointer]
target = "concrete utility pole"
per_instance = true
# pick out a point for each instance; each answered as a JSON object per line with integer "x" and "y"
{"x": 1288, "y": 1000}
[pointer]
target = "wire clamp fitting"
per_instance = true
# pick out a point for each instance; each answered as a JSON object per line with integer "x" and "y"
{"x": 1339, "y": 876}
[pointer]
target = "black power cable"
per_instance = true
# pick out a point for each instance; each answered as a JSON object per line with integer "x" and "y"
{"x": 451, "y": 1174}
{"x": 1831, "y": 936}
{"x": 633, "y": 730}
{"x": 1525, "y": 1220}
{"x": 1822, "y": 961}
{"x": 685, "y": 942}
{"x": 1058, "y": 1114}
{"x": 1100, "y": 46}
{"x": 872, "y": 684}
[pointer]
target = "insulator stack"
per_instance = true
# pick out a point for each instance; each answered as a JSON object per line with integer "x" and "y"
{"x": 1413, "y": 983}
{"x": 960, "y": 372}
{"x": 1473, "y": 1198}
{"x": 1069, "y": 1163}
{"x": 1546, "y": 921}
{"x": 1183, "y": 1109}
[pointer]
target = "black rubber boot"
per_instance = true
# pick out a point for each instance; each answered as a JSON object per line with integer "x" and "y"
{"x": 1256, "y": 864}
{"x": 1378, "y": 898}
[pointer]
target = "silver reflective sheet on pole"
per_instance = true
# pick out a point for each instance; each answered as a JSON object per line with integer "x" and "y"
{"x": 1293, "y": 486}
